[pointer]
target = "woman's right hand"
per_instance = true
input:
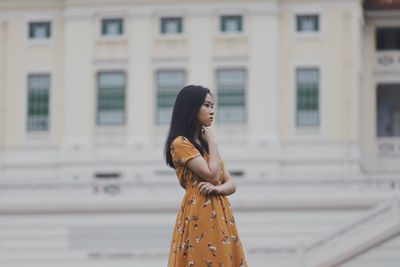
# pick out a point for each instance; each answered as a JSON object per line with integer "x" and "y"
{"x": 209, "y": 134}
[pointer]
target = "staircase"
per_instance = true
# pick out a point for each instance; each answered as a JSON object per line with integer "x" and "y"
{"x": 369, "y": 231}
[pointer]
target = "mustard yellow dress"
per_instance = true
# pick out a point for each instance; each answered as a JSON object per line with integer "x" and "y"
{"x": 205, "y": 232}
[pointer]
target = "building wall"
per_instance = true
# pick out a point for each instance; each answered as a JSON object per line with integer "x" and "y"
{"x": 268, "y": 146}
{"x": 332, "y": 145}
{"x": 2, "y": 80}
{"x": 77, "y": 52}
{"x": 375, "y": 73}
{"x": 326, "y": 50}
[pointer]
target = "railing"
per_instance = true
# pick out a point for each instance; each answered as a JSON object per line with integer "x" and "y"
{"x": 388, "y": 61}
{"x": 379, "y": 224}
{"x": 389, "y": 146}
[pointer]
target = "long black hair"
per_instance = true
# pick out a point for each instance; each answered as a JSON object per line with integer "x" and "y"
{"x": 184, "y": 121}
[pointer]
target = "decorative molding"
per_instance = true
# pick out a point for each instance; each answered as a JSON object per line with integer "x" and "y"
{"x": 170, "y": 62}
{"x": 138, "y": 10}
{"x": 111, "y": 63}
{"x": 221, "y": 61}
{"x": 384, "y": 15}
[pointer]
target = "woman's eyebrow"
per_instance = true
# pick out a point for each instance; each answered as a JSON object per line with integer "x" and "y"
{"x": 209, "y": 102}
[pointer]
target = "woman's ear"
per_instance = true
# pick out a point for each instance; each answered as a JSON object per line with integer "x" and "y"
{"x": 202, "y": 131}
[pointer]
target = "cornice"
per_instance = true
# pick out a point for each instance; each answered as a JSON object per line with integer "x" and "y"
{"x": 136, "y": 8}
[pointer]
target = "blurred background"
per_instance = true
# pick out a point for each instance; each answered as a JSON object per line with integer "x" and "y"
{"x": 307, "y": 97}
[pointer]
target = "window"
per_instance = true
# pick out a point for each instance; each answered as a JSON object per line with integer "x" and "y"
{"x": 307, "y": 93}
{"x": 111, "y": 98}
{"x": 388, "y": 38}
{"x": 231, "y": 96}
{"x": 307, "y": 23}
{"x": 231, "y": 23}
{"x": 38, "y": 102}
{"x": 388, "y": 111}
{"x": 39, "y": 30}
{"x": 169, "y": 82}
{"x": 171, "y": 25}
{"x": 112, "y": 27}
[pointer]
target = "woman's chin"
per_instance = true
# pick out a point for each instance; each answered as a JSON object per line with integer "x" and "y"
{"x": 206, "y": 123}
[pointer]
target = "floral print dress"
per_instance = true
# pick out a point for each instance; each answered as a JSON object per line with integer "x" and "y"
{"x": 205, "y": 232}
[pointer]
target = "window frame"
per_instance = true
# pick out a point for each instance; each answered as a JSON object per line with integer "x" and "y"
{"x": 27, "y": 104}
{"x": 296, "y": 88}
{"x": 378, "y": 32}
{"x": 245, "y": 95}
{"x": 316, "y": 35}
{"x": 103, "y": 20}
{"x": 97, "y": 106}
{"x": 44, "y": 21}
{"x": 181, "y": 25}
{"x": 33, "y": 42}
{"x": 311, "y": 14}
{"x": 230, "y": 16}
{"x": 184, "y": 72}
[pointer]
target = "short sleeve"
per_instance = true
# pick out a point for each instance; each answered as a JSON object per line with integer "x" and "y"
{"x": 183, "y": 150}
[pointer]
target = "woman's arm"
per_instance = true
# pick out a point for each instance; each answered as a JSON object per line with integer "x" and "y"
{"x": 211, "y": 171}
{"x": 226, "y": 188}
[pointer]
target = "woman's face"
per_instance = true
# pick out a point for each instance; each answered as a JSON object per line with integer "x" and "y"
{"x": 206, "y": 112}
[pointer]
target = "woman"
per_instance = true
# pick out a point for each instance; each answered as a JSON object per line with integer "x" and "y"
{"x": 205, "y": 232}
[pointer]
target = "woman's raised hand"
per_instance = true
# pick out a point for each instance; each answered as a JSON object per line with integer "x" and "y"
{"x": 209, "y": 134}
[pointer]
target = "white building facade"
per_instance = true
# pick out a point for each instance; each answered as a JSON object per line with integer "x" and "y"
{"x": 307, "y": 100}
